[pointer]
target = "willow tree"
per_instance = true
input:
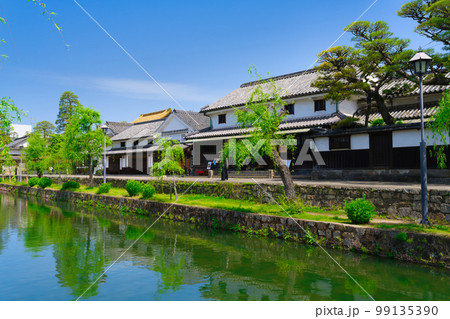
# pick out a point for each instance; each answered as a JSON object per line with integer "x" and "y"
{"x": 262, "y": 115}
{"x": 172, "y": 159}
{"x": 83, "y": 138}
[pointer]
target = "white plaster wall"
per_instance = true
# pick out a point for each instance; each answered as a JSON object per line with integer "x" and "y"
{"x": 322, "y": 143}
{"x": 305, "y": 108}
{"x": 174, "y": 124}
{"x": 359, "y": 142}
{"x": 411, "y": 138}
{"x": 231, "y": 119}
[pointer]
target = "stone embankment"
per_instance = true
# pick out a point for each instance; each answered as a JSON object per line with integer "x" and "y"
{"x": 409, "y": 246}
{"x": 394, "y": 201}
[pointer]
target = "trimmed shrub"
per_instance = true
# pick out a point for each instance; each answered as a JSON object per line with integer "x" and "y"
{"x": 33, "y": 181}
{"x": 401, "y": 237}
{"x": 133, "y": 187}
{"x": 377, "y": 122}
{"x": 70, "y": 185}
{"x": 147, "y": 191}
{"x": 359, "y": 211}
{"x": 104, "y": 188}
{"x": 347, "y": 123}
{"x": 45, "y": 182}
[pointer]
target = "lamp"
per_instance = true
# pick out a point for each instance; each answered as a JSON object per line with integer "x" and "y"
{"x": 420, "y": 63}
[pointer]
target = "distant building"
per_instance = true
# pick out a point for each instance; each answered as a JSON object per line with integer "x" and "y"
{"x": 133, "y": 150}
{"x": 20, "y": 130}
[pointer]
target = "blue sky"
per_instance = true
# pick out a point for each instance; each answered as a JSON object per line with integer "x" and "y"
{"x": 198, "y": 50}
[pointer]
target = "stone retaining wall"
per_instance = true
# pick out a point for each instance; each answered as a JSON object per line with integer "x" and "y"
{"x": 416, "y": 247}
{"x": 395, "y": 202}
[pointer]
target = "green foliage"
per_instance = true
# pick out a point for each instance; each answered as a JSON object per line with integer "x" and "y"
{"x": 147, "y": 191}
{"x": 55, "y": 154}
{"x": 377, "y": 122}
{"x": 36, "y": 153}
{"x": 8, "y": 114}
{"x": 104, "y": 188}
{"x": 377, "y": 58}
{"x": 440, "y": 128}
{"x": 292, "y": 207}
{"x": 172, "y": 158}
{"x": 44, "y": 128}
{"x": 401, "y": 237}
{"x": 70, "y": 185}
{"x": 432, "y": 17}
{"x": 68, "y": 103}
{"x": 262, "y": 115}
{"x": 359, "y": 211}
{"x": 83, "y": 138}
{"x": 347, "y": 123}
{"x": 44, "y": 182}
{"x": 133, "y": 187}
{"x": 33, "y": 181}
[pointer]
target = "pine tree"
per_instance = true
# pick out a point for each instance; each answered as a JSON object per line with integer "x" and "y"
{"x": 67, "y": 104}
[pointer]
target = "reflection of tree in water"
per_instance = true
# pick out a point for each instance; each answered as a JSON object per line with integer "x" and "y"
{"x": 78, "y": 246}
{"x": 170, "y": 265}
{"x": 4, "y": 224}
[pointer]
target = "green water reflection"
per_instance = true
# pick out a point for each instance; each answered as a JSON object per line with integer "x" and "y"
{"x": 56, "y": 251}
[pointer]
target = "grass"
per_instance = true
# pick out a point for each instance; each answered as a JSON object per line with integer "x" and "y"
{"x": 315, "y": 213}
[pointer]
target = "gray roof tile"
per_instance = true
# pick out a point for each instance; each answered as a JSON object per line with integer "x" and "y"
{"x": 196, "y": 120}
{"x": 318, "y": 121}
{"x": 139, "y": 130}
{"x": 118, "y": 127}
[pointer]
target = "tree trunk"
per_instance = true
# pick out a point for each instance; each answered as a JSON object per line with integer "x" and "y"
{"x": 175, "y": 188}
{"x": 285, "y": 174}
{"x": 382, "y": 108}
{"x": 91, "y": 173}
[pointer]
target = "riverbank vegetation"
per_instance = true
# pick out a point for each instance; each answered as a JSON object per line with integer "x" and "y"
{"x": 326, "y": 214}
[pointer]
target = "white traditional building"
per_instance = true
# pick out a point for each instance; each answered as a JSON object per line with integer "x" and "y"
{"x": 133, "y": 150}
{"x": 312, "y": 117}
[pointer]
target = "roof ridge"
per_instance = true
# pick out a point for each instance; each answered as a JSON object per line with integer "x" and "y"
{"x": 278, "y": 77}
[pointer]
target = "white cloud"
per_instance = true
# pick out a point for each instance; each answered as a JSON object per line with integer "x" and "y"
{"x": 144, "y": 89}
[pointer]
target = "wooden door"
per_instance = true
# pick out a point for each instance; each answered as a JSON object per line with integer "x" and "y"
{"x": 381, "y": 150}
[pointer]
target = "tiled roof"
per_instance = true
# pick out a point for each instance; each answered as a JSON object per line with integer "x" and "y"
{"x": 196, "y": 120}
{"x": 427, "y": 89}
{"x": 405, "y": 112}
{"x": 326, "y": 120}
{"x": 18, "y": 142}
{"x": 291, "y": 85}
{"x": 139, "y": 131}
{"x": 299, "y": 84}
{"x": 118, "y": 127}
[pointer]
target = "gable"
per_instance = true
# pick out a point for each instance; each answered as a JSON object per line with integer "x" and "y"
{"x": 173, "y": 124}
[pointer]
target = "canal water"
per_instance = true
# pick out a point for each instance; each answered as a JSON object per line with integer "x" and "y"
{"x": 55, "y": 251}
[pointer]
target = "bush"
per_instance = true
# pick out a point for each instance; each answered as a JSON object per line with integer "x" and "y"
{"x": 401, "y": 237}
{"x": 377, "y": 122}
{"x": 45, "y": 182}
{"x": 359, "y": 211}
{"x": 295, "y": 206}
{"x": 347, "y": 123}
{"x": 133, "y": 187}
{"x": 147, "y": 191}
{"x": 104, "y": 188}
{"x": 70, "y": 185}
{"x": 33, "y": 181}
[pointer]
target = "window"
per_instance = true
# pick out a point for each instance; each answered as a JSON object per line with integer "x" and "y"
{"x": 122, "y": 144}
{"x": 135, "y": 143}
{"x": 339, "y": 142}
{"x": 208, "y": 149}
{"x": 319, "y": 105}
{"x": 289, "y": 108}
{"x": 222, "y": 118}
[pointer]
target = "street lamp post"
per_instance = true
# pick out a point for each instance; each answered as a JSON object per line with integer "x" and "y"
{"x": 105, "y": 130}
{"x": 420, "y": 63}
